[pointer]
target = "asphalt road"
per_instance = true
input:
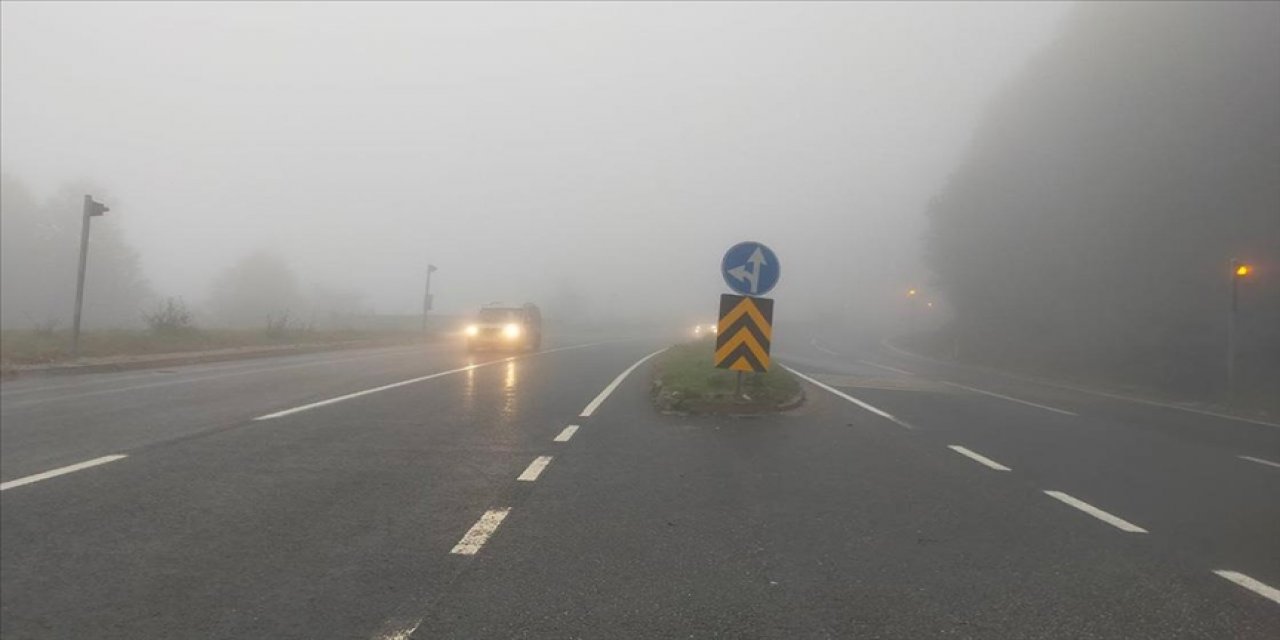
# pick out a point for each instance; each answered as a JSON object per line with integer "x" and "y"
{"x": 421, "y": 492}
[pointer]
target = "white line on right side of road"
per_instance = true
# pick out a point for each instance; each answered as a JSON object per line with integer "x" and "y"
{"x": 1264, "y": 590}
{"x": 479, "y": 533}
{"x": 819, "y": 347}
{"x": 880, "y": 412}
{"x": 1260, "y": 461}
{"x": 1119, "y": 523}
{"x": 61, "y": 471}
{"x": 977, "y": 457}
{"x": 599, "y": 399}
{"x": 535, "y": 469}
{"x": 1095, "y": 392}
{"x": 887, "y": 367}
{"x": 567, "y": 433}
{"x": 1010, "y": 399}
{"x": 393, "y": 385}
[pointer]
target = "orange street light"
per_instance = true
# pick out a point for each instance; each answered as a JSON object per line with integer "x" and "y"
{"x": 1243, "y": 270}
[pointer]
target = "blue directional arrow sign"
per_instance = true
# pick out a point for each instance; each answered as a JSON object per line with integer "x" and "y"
{"x": 750, "y": 268}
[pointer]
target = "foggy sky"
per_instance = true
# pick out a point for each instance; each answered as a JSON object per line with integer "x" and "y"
{"x": 616, "y": 148}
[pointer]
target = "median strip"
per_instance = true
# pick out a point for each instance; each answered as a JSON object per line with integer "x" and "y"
{"x": 1119, "y": 523}
{"x": 479, "y": 533}
{"x": 977, "y": 457}
{"x": 60, "y": 471}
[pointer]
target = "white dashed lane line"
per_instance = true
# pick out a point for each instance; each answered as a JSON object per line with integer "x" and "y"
{"x": 977, "y": 457}
{"x": 1117, "y": 522}
{"x": 480, "y": 532}
{"x": 60, "y": 471}
{"x": 567, "y": 433}
{"x": 1260, "y": 461}
{"x": 1264, "y": 590}
{"x": 535, "y": 469}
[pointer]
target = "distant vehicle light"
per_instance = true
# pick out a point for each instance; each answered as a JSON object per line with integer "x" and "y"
{"x": 511, "y": 331}
{"x": 472, "y": 330}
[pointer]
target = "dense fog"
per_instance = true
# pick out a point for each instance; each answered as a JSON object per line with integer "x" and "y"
{"x": 596, "y": 159}
{"x": 1064, "y": 185}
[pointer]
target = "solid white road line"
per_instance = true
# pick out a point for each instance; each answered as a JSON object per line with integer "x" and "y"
{"x": 1010, "y": 399}
{"x": 1095, "y": 392}
{"x": 1119, "y": 523}
{"x": 1264, "y": 590}
{"x": 883, "y": 414}
{"x": 61, "y": 471}
{"x": 887, "y": 367}
{"x": 349, "y": 396}
{"x": 595, "y": 404}
{"x": 823, "y": 349}
{"x": 567, "y": 433}
{"x": 977, "y": 457}
{"x": 535, "y": 469}
{"x": 1260, "y": 461}
{"x": 479, "y": 532}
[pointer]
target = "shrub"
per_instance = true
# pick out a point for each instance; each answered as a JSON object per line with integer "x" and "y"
{"x": 170, "y": 316}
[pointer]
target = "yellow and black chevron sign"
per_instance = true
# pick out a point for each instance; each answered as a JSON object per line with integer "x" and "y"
{"x": 743, "y": 333}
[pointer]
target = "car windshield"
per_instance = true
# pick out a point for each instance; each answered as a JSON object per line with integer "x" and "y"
{"x": 500, "y": 315}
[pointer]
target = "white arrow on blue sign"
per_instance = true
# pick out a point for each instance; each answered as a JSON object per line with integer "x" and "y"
{"x": 750, "y": 268}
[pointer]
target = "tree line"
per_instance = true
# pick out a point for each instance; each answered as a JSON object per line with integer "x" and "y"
{"x": 1091, "y": 225}
{"x": 39, "y": 257}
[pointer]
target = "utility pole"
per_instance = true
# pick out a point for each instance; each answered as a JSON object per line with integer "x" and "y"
{"x": 91, "y": 209}
{"x": 1239, "y": 272}
{"x": 426, "y": 297}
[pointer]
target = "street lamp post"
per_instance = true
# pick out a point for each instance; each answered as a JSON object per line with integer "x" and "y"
{"x": 426, "y": 297}
{"x": 91, "y": 209}
{"x": 1239, "y": 271}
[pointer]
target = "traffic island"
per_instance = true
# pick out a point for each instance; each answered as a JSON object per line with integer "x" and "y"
{"x": 686, "y": 382}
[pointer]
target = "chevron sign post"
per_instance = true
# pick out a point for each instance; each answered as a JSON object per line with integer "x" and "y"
{"x": 743, "y": 333}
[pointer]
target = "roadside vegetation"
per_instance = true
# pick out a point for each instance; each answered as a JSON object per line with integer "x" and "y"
{"x": 685, "y": 380}
{"x": 37, "y": 346}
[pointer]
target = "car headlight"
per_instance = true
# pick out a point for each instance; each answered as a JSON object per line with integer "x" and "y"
{"x": 511, "y": 331}
{"x": 472, "y": 330}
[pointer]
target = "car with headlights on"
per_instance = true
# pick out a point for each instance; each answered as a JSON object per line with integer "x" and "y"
{"x": 507, "y": 328}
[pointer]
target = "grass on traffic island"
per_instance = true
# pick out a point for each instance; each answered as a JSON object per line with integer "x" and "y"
{"x": 686, "y": 381}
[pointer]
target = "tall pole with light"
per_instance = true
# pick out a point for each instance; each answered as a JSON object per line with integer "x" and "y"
{"x": 911, "y": 309}
{"x": 91, "y": 208}
{"x": 426, "y": 297}
{"x": 1239, "y": 271}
